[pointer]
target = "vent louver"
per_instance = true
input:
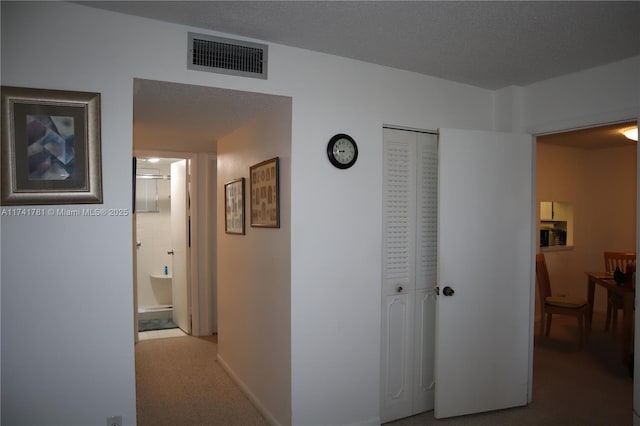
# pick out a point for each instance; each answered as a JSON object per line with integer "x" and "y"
{"x": 227, "y": 56}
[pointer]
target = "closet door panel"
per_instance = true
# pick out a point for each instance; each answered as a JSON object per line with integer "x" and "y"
{"x": 399, "y": 212}
{"x": 423, "y": 366}
{"x": 427, "y": 210}
{"x": 398, "y": 274}
{"x": 397, "y": 357}
{"x": 409, "y": 272}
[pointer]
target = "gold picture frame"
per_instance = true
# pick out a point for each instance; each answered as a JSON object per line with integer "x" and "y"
{"x": 265, "y": 197}
{"x": 51, "y": 150}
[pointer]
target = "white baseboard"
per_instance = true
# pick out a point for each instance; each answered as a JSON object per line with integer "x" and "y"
{"x": 266, "y": 413}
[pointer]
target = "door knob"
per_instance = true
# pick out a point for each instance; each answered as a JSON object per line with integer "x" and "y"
{"x": 169, "y": 251}
{"x": 400, "y": 289}
{"x": 448, "y": 291}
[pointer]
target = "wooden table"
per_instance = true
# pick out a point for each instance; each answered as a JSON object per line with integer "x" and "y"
{"x": 628, "y": 295}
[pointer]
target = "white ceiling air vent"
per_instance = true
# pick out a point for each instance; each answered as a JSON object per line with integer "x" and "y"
{"x": 227, "y": 56}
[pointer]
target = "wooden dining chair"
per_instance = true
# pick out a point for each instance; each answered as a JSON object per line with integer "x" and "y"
{"x": 560, "y": 305}
{"x": 613, "y": 260}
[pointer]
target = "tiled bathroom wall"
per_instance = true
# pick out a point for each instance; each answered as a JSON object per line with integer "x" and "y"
{"x": 154, "y": 238}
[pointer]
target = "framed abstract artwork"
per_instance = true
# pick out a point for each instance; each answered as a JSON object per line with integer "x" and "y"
{"x": 234, "y": 207}
{"x": 50, "y": 147}
{"x": 265, "y": 198}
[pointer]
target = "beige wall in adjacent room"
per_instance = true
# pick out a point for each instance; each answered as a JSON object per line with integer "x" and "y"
{"x": 254, "y": 270}
{"x": 601, "y": 186}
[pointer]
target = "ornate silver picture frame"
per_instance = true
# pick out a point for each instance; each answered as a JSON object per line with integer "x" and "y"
{"x": 50, "y": 147}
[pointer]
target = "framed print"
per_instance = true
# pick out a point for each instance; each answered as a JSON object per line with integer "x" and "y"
{"x": 50, "y": 147}
{"x": 265, "y": 199}
{"x": 234, "y": 207}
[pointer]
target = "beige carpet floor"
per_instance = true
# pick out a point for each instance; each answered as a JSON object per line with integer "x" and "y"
{"x": 179, "y": 383}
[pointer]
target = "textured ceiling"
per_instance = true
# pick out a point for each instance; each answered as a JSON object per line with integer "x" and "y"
{"x": 482, "y": 43}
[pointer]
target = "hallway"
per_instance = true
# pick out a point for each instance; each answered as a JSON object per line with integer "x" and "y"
{"x": 179, "y": 382}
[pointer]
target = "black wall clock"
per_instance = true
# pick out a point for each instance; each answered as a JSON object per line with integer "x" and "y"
{"x": 342, "y": 151}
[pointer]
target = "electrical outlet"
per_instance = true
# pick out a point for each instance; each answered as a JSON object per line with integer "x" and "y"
{"x": 114, "y": 421}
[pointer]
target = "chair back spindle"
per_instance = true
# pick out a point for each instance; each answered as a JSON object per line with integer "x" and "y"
{"x": 620, "y": 260}
{"x": 613, "y": 260}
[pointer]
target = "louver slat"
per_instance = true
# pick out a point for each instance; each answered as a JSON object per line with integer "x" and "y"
{"x": 226, "y": 56}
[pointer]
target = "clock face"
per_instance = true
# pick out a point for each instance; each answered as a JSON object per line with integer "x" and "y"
{"x": 342, "y": 151}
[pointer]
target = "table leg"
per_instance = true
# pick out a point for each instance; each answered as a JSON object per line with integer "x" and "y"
{"x": 591, "y": 287}
{"x": 627, "y": 319}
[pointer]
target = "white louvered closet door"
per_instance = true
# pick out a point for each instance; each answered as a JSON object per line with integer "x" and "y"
{"x": 409, "y": 272}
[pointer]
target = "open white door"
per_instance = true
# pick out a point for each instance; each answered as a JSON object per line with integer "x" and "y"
{"x": 179, "y": 241}
{"x": 485, "y": 255}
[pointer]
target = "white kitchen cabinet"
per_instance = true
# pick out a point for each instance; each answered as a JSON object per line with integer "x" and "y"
{"x": 556, "y": 224}
{"x": 546, "y": 210}
{"x": 556, "y": 210}
{"x": 562, "y": 211}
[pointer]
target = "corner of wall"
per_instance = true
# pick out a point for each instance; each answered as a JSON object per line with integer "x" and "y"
{"x": 508, "y": 109}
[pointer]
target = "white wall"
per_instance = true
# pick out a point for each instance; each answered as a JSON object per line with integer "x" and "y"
{"x": 335, "y": 215}
{"x": 254, "y": 270}
{"x": 67, "y": 332}
{"x": 67, "y": 296}
{"x": 337, "y": 221}
{"x": 595, "y": 96}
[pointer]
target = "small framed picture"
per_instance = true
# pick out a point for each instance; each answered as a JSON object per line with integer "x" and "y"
{"x": 234, "y": 207}
{"x": 265, "y": 198}
{"x": 50, "y": 147}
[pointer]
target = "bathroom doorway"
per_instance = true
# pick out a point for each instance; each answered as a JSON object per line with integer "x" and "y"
{"x": 162, "y": 248}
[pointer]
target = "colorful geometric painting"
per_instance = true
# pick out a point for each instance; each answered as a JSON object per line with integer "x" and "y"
{"x": 50, "y": 149}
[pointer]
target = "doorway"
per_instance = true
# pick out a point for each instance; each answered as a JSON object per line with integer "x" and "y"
{"x": 593, "y": 171}
{"x": 207, "y": 124}
{"x": 162, "y": 244}
{"x": 188, "y": 121}
{"x": 588, "y": 169}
